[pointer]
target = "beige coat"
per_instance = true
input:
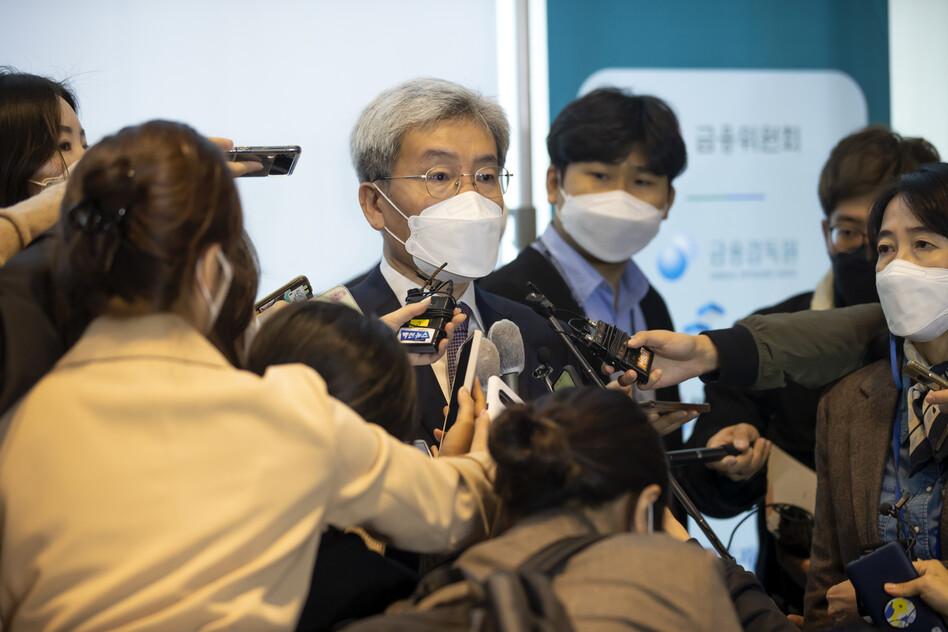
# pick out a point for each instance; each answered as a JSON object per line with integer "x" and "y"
{"x": 145, "y": 484}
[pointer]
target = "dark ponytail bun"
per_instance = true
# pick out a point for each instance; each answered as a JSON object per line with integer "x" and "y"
{"x": 534, "y": 466}
{"x": 581, "y": 444}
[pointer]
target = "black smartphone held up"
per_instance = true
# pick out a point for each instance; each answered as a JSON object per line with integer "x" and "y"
{"x": 923, "y": 375}
{"x": 667, "y": 407}
{"x": 463, "y": 376}
{"x": 276, "y": 161}
{"x": 295, "y": 291}
{"x": 890, "y": 563}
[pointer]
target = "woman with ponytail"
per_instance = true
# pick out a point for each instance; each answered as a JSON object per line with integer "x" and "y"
{"x": 584, "y": 461}
{"x": 146, "y": 483}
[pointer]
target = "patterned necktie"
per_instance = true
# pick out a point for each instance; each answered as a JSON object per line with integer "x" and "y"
{"x": 928, "y": 428}
{"x": 460, "y": 335}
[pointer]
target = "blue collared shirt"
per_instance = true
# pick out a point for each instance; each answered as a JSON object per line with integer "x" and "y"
{"x": 591, "y": 290}
{"x": 926, "y": 490}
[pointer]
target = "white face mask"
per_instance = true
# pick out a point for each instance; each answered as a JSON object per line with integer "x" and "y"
{"x": 463, "y": 231}
{"x": 216, "y": 302}
{"x": 914, "y": 300}
{"x": 611, "y": 226}
{"x": 48, "y": 182}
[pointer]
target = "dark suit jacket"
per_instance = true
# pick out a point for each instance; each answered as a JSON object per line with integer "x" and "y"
{"x": 375, "y": 296}
{"x": 853, "y": 441}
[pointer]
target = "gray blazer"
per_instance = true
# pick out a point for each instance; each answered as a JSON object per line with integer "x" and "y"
{"x": 853, "y": 441}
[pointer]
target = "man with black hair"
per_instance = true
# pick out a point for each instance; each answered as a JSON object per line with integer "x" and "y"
{"x": 613, "y": 159}
{"x": 857, "y": 168}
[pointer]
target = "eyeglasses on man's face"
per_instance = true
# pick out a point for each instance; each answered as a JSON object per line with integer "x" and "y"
{"x": 445, "y": 182}
{"x": 847, "y": 238}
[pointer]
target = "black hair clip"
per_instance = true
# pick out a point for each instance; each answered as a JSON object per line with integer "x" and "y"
{"x": 89, "y": 217}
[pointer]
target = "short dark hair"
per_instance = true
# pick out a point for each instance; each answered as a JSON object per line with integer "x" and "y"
{"x": 140, "y": 209}
{"x": 30, "y": 120}
{"x": 925, "y": 193}
{"x": 585, "y": 444}
{"x": 362, "y": 362}
{"x": 607, "y": 124}
{"x": 864, "y": 162}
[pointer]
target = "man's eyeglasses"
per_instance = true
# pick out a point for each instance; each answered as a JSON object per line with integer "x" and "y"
{"x": 445, "y": 182}
{"x": 847, "y": 239}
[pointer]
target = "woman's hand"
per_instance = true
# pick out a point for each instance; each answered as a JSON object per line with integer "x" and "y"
{"x": 237, "y": 169}
{"x": 931, "y": 585}
{"x": 470, "y": 430}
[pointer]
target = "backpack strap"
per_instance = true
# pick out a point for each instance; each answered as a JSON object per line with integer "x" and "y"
{"x": 436, "y": 579}
{"x": 548, "y": 559}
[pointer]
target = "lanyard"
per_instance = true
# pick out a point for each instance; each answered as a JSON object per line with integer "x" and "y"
{"x": 897, "y": 430}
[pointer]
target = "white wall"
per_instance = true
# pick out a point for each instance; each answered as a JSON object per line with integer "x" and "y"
{"x": 918, "y": 67}
{"x": 294, "y": 72}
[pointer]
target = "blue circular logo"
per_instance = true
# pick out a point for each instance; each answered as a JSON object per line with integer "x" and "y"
{"x": 674, "y": 259}
{"x": 900, "y": 612}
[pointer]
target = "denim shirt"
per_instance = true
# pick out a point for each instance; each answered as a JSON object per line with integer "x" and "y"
{"x": 926, "y": 489}
{"x": 593, "y": 293}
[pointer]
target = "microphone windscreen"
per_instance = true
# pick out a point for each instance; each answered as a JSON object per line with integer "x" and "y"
{"x": 488, "y": 362}
{"x": 885, "y": 509}
{"x": 543, "y": 355}
{"x": 507, "y": 338}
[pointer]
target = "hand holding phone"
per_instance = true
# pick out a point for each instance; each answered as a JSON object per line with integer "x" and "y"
{"x": 297, "y": 290}
{"x": 275, "y": 161}
{"x": 890, "y": 564}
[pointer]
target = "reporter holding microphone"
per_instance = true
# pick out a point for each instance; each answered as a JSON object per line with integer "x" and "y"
{"x": 145, "y": 483}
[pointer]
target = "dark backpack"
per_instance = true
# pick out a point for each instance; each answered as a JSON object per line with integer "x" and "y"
{"x": 521, "y": 600}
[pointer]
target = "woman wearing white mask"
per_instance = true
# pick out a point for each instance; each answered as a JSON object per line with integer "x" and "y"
{"x": 42, "y": 139}
{"x": 145, "y": 483}
{"x": 878, "y": 440}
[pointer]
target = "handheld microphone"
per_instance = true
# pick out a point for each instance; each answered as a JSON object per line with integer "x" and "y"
{"x": 508, "y": 340}
{"x": 488, "y": 361}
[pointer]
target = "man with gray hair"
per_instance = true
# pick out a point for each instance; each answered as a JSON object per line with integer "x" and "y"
{"x": 430, "y": 156}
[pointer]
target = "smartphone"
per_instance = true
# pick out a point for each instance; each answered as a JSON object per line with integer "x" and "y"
{"x": 691, "y": 456}
{"x": 276, "y": 161}
{"x": 295, "y": 291}
{"x": 568, "y": 378}
{"x": 499, "y": 397}
{"x": 923, "y": 375}
{"x": 339, "y": 294}
{"x": 464, "y": 375}
{"x": 667, "y": 407}
{"x": 890, "y": 563}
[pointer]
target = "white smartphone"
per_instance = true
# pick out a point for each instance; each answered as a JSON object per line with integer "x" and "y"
{"x": 499, "y": 397}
